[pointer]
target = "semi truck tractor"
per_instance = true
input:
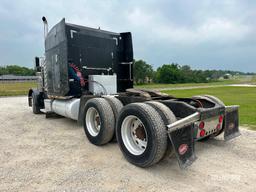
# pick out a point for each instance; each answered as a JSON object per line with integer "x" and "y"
{"x": 86, "y": 74}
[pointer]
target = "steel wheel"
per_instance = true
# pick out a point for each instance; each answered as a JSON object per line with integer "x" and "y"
{"x": 93, "y": 121}
{"x": 141, "y": 134}
{"x": 98, "y": 121}
{"x": 134, "y": 135}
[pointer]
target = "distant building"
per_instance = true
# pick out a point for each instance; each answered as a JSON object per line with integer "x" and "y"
{"x": 11, "y": 78}
{"x": 227, "y": 76}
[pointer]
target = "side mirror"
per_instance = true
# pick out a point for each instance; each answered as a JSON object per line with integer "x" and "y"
{"x": 37, "y": 64}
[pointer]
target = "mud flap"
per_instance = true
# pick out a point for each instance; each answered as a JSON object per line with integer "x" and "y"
{"x": 231, "y": 127}
{"x": 183, "y": 145}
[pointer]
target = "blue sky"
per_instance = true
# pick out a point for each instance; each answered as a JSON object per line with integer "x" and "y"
{"x": 205, "y": 34}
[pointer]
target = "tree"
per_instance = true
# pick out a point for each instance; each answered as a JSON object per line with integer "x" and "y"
{"x": 16, "y": 70}
{"x": 142, "y": 72}
{"x": 169, "y": 73}
{"x": 175, "y": 73}
{"x": 187, "y": 73}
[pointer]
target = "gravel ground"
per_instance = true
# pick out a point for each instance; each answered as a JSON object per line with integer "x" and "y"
{"x": 39, "y": 154}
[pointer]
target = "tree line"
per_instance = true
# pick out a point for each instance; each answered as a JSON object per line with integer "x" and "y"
{"x": 144, "y": 73}
{"x": 16, "y": 70}
{"x": 175, "y": 73}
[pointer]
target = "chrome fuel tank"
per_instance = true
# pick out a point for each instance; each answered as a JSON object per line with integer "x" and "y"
{"x": 67, "y": 108}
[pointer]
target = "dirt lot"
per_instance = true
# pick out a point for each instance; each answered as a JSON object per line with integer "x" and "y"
{"x": 39, "y": 154}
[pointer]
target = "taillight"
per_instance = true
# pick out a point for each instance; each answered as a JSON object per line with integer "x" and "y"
{"x": 202, "y": 133}
{"x": 220, "y": 118}
{"x": 201, "y": 125}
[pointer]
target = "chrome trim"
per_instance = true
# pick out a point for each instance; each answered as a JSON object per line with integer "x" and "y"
{"x": 183, "y": 122}
{"x": 126, "y": 63}
{"x": 93, "y": 68}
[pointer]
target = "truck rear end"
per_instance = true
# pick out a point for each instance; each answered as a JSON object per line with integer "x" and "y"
{"x": 201, "y": 125}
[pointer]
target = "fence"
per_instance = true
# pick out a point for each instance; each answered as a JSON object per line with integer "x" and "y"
{"x": 14, "y": 79}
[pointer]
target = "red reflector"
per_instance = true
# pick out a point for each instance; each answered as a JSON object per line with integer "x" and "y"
{"x": 183, "y": 149}
{"x": 221, "y": 119}
{"x": 201, "y": 125}
{"x": 202, "y": 133}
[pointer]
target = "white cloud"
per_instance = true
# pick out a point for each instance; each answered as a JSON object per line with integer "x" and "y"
{"x": 215, "y": 30}
{"x": 175, "y": 26}
{"x": 224, "y": 30}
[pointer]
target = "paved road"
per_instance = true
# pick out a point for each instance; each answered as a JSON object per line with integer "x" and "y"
{"x": 39, "y": 154}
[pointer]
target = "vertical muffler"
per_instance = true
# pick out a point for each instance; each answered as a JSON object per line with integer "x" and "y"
{"x": 45, "y": 26}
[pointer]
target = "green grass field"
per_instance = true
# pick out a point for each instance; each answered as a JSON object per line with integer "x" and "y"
{"x": 243, "y": 96}
{"x": 237, "y": 80}
{"x": 17, "y": 88}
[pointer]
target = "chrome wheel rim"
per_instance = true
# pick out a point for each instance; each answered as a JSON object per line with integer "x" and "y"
{"x": 134, "y": 135}
{"x": 93, "y": 121}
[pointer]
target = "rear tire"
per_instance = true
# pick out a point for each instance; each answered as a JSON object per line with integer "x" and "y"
{"x": 116, "y": 106}
{"x": 168, "y": 117}
{"x": 141, "y": 134}
{"x": 215, "y": 99}
{"x": 99, "y": 121}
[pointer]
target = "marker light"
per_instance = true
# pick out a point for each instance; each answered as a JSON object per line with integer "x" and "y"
{"x": 201, "y": 125}
{"x": 202, "y": 133}
{"x": 220, "y": 118}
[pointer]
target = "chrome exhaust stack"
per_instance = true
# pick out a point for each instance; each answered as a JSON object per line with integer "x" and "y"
{"x": 45, "y": 26}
